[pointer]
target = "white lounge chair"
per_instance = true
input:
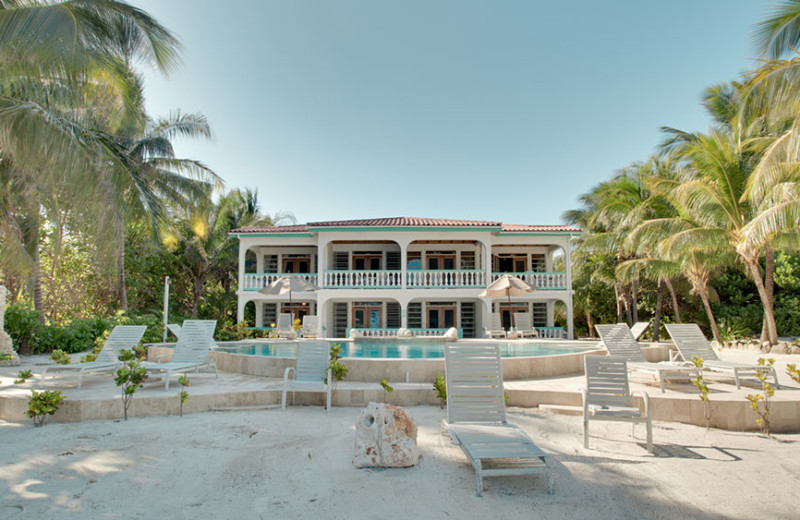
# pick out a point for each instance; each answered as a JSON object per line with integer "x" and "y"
{"x": 175, "y": 329}
{"x": 476, "y": 417}
{"x": 638, "y": 329}
{"x": 618, "y": 340}
{"x": 310, "y": 326}
{"x": 523, "y": 323}
{"x": 191, "y": 352}
{"x": 312, "y": 373}
{"x": 495, "y": 328}
{"x": 283, "y": 327}
{"x": 607, "y": 396}
{"x": 691, "y": 342}
{"x": 122, "y": 337}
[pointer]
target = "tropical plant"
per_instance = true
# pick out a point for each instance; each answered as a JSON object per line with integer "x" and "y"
{"x": 42, "y": 404}
{"x": 183, "y": 395}
{"x": 129, "y": 377}
{"x": 701, "y": 385}
{"x": 760, "y": 403}
{"x": 23, "y": 376}
{"x": 387, "y": 389}
{"x": 440, "y": 387}
{"x": 60, "y": 357}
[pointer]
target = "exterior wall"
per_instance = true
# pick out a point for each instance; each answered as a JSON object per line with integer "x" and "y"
{"x": 485, "y": 244}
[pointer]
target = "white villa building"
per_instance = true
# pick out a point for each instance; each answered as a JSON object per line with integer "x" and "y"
{"x": 423, "y": 274}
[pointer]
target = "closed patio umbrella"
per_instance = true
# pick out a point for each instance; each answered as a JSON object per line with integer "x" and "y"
{"x": 508, "y": 286}
{"x": 288, "y": 284}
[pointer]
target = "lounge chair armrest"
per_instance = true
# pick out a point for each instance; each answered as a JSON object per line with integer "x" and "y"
{"x": 286, "y": 373}
{"x": 646, "y": 399}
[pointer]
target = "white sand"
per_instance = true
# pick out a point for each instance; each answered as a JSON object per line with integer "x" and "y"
{"x": 296, "y": 464}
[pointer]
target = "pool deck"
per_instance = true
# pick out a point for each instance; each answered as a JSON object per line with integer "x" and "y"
{"x": 99, "y": 397}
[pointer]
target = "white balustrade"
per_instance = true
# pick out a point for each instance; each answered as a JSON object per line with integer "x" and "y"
{"x": 361, "y": 279}
{"x": 440, "y": 279}
{"x": 257, "y": 281}
{"x": 541, "y": 281}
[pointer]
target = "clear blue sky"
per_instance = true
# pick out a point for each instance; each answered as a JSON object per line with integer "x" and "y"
{"x": 442, "y": 108}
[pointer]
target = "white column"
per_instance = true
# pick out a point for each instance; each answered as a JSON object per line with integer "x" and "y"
{"x": 322, "y": 259}
{"x": 568, "y": 303}
{"x": 259, "y": 261}
{"x": 240, "y": 309}
{"x": 403, "y": 268}
{"x": 259, "y": 313}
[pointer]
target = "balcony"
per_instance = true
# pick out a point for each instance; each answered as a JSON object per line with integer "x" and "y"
{"x": 361, "y": 280}
{"x": 257, "y": 281}
{"x": 417, "y": 279}
{"x": 541, "y": 281}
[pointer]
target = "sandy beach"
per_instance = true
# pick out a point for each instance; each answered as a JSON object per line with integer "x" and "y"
{"x": 297, "y": 464}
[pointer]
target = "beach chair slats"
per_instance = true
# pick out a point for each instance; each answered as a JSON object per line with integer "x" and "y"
{"x": 474, "y": 384}
{"x": 476, "y": 417}
{"x": 619, "y": 341}
{"x": 691, "y": 341}
{"x": 607, "y": 381}
{"x": 123, "y": 337}
{"x": 313, "y": 359}
{"x": 194, "y": 342}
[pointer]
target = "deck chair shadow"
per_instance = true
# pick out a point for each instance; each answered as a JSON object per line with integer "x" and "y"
{"x": 495, "y": 328}
{"x": 619, "y": 341}
{"x": 524, "y": 325}
{"x": 191, "y": 353}
{"x": 122, "y": 337}
{"x": 312, "y": 372}
{"x": 476, "y": 417}
{"x": 607, "y": 396}
{"x": 691, "y": 342}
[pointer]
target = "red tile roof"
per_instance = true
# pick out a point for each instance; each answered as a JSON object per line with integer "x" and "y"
{"x": 407, "y": 222}
{"x": 538, "y": 229}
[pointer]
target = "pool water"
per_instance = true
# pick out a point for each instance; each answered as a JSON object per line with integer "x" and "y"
{"x": 399, "y": 349}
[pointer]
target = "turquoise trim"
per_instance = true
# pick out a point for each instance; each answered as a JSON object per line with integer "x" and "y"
{"x": 537, "y": 234}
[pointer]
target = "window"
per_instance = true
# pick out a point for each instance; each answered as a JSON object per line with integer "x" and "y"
{"x": 367, "y": 261}
{"x": 441, "y": 260}
{"x": 296, "y": 264}
{"x": 508, "y": 263}
{"x": 441, "y": 315}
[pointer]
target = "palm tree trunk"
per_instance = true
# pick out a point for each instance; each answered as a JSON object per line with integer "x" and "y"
{"x": 38, "y": 300}
{"x": 634, "y": 301}
{"x": 769, "y": 315}
{"x": 714, "y": 329}
{"x": 676, "y": 311}
{"x": 657, "y": 314}
{"x": 121, "y": 290}
{"x": 769, "y": 285}
{"x": 620, "y": 317}
{"x": 590, "y": 321}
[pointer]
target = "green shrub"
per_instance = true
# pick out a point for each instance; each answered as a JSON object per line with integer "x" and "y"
{"x": 129, "y": 378}
{"x": 22, "y": 324}
{"x": 23, "y": 376}
{"x": 42, "y": 404}
{"x": 440, "y": 385}
{"x": 60, "y": 357}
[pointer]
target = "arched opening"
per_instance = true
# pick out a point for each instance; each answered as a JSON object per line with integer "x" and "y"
{"x": 249, "y": 314}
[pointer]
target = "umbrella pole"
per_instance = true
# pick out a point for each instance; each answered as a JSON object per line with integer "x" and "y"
{"x": 510, "y": 309}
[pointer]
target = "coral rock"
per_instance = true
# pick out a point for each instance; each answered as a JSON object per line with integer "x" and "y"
{"x": 386, "y": 437}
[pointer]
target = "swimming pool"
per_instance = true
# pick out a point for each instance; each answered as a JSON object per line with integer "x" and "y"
{"x": 399, "y": 349}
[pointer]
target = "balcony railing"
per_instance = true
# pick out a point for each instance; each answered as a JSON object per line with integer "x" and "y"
{"x": 541, "y": 281}
{"x": 424, "y": 279}
{"x": 257, "y": 281}
{"x": 446, "y": 279}
{"x": 361, "y": 280}
{"x": 391, "y": 333}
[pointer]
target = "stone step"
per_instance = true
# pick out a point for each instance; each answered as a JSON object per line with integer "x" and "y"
{"x": 562, "y": 409}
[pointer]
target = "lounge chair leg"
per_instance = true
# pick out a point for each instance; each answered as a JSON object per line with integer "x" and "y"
{"x": 478, "y": 479}
{"x": 166, "y": 385}
{"x": 661, "y": 380}
{"x": 80, "y": 379}
{"x": 283, "y": 400}
{"x": 549, "y": 475}
{"x": 586, "y": 432}
{"x": 649, "y": 436}
{"x": 736, "y": 378}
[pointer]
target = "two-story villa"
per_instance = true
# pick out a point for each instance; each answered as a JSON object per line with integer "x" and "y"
{"x": 416, "y": 273}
